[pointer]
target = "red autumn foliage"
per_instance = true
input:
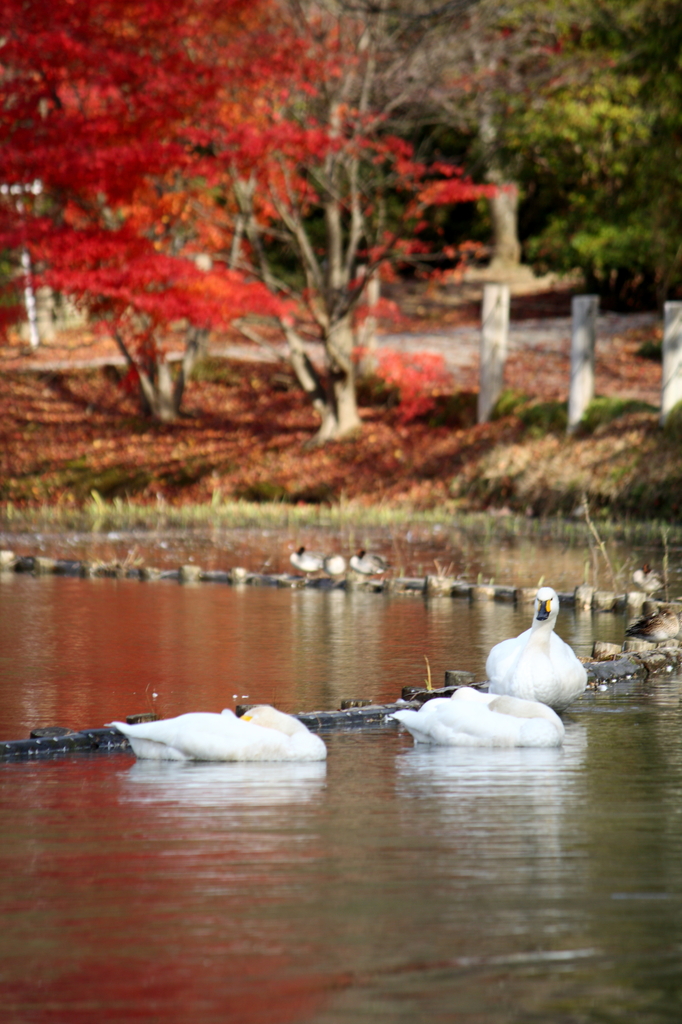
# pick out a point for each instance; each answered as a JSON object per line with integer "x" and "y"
{"x": 220, "y": 129}
{"x": 418, "y": 377}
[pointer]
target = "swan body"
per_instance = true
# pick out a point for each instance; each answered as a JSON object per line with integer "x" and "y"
{"x": 538, "y": 665}
{"x": 647, "y": 579}
{"x": 657, "y": 627}
{"x": 263, "y": 734}
{"x": 368, "y": 564}
{"x": 473, "y": 719}
{"x": 306, "y": 561}
{"x": 334, "y": 565}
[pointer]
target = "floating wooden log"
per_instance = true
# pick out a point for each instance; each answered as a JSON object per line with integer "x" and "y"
{"x": 72, "y": 742}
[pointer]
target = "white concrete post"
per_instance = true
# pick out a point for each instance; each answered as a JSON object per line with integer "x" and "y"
{"x": 584, "y": 309}
{"x": 494, "y": 341}
{"x": 30, "y": 299}
{"x": 671, "y": 386}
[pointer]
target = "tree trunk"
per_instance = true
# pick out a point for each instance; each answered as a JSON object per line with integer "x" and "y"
{"x": 160, "y": 395}
{"x": 504, "y": 205}
{"x": 504, "y": 208}
{"x": 340, "y": 415}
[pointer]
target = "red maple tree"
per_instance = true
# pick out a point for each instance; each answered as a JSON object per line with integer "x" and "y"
{"x": 101, "y": 103}
{"x": 212, "y": 162}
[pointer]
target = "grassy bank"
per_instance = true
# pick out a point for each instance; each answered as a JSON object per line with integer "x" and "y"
{"x": 98, "y": 516}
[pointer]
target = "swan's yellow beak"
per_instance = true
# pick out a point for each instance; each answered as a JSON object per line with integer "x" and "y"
{"x": 543, "y": 609}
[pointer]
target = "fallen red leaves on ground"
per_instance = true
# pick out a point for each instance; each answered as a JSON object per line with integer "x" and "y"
{"x": 65, "y": 432}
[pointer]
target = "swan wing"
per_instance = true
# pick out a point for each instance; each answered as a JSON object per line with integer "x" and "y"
{"x": 470, "y": 723}
{"x": 503, "y": 657}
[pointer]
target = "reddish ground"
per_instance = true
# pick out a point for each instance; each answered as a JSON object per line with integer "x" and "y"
{"x": 64, "y": 432}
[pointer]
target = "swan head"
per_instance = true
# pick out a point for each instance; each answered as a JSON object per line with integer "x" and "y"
{"x": 546, "y": 605}
{"x": 270, "y": 718}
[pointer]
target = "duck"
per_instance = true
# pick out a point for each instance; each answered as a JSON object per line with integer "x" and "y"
{"x": 334, "y": 565}
{"x": 657, "y": 627}
{"x": 306, "y": 561}
{"x": 647, "y": 579}
{"x": 368, "y": 564}
{"x": 262, "y": 734}
{"x": 473, "y": 719}
{"x": 537, "y": 664}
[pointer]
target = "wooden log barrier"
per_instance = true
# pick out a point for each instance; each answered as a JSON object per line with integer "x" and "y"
{"x": 583, "y": 597}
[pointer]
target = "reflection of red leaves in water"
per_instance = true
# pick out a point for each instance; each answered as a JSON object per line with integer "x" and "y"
{"x": 151, "y": 913}
{"x": 197, "y": 985}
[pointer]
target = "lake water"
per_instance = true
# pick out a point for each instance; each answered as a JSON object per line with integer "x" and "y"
{"x": 392, "y": 884}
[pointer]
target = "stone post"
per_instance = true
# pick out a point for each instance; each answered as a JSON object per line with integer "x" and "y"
{"x": 671, "y": 387}
{"x": 584, "y": 309}
{"x": 30, "y": 299}
{"x": 44, "y": 304}
{"x": 494, "y": 341}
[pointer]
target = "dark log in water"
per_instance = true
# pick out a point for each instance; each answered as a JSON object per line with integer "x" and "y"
{"x": 635, "y": 665}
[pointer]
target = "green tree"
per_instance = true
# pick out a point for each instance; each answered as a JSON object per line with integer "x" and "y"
{"x": 601, "y": 145}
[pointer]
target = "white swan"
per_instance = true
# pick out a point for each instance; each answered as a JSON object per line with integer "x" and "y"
{"x": 368, "y": 564}
{"x": 537, "y": 665}
{"x": 263, "y": 734}
{"x": 473, "y": 719}
{"x": 306, "y": 561}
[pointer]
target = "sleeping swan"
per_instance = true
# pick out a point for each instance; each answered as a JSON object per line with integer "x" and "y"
{"x": 537, "y": 665}
{"x": 263, "y": 734}
{"x": 473, "y": 719}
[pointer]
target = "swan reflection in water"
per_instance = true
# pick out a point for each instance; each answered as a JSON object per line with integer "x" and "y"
{"x": 225, "y": 785}
{"x": 494, "y": 804}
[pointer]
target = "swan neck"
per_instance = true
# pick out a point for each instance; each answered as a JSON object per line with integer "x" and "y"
{"x": 541, "y": 630}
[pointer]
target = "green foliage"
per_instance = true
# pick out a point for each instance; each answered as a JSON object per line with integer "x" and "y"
{"x": 673, "y": 423}
{"x": 510, "y": 401}
{"x": 603, "y": 410}
{"x": 545, "y": 418}
{"x": 597, "y": 150}
{"x": 651, "y": 349}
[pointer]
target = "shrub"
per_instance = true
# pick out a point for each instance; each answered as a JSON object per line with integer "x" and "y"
{"x": 603, "y": 410}
{"x": 545, "y": 418}
{"x": 418, "y": 377}
{"x": 510, "y": 401}
{"x": 652, "y": 349}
